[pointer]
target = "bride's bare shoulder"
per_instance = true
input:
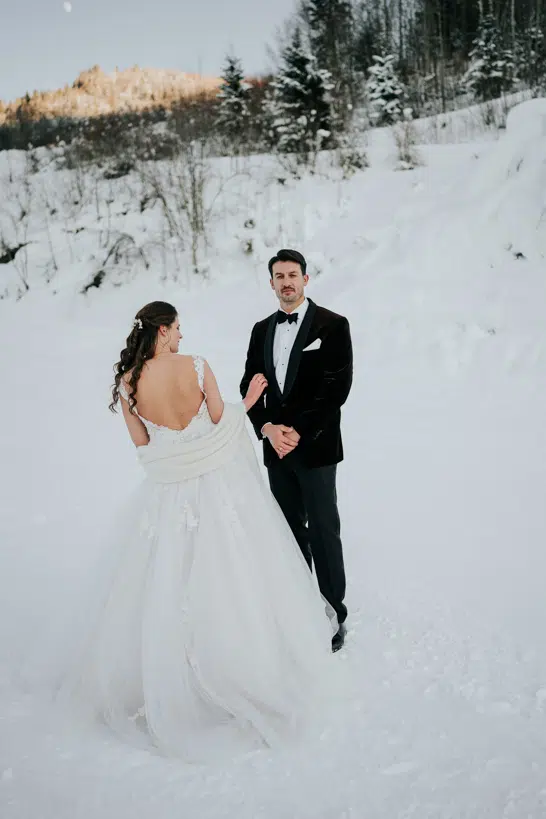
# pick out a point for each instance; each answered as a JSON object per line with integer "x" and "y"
{"x": 183, "y": 363}
{"x": 171, "y": 360}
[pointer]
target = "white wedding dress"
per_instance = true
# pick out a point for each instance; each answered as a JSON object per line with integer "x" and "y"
{"x": 211, "y": 637}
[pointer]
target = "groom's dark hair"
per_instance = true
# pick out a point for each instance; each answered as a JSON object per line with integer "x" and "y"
{"x": 286, "y": 255}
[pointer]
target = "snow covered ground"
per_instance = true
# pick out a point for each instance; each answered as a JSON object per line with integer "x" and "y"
{"x": 442, "y": 273}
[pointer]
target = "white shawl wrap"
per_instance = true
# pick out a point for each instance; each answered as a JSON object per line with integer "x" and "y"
{"x": 173, "y": 463}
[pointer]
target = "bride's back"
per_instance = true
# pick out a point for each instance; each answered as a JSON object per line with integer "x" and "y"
{"x": 168, "y": 391}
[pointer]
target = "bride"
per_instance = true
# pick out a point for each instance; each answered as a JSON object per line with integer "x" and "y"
{"x": 212, "y": 637}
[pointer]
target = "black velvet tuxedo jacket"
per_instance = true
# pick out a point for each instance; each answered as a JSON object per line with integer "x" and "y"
{"x": 317, "y": 384}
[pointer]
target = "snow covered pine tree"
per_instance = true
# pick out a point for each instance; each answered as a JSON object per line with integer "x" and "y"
{"x": 385, "y": 91}
{"x": 300, "y": 105}
{"x": 330, "y": 26}
{"x": 233, "y": 111}
{"x": 492, "y": 67}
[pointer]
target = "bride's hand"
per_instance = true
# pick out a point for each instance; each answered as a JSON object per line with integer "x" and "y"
{"x": 255, "y": 389}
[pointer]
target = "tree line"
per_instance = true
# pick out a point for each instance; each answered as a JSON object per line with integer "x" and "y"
{"x": 342, "y": 65}
{"x": 389, "y": 59}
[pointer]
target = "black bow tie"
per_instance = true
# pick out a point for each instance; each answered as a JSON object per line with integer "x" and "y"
{"x": 289, "y": 317}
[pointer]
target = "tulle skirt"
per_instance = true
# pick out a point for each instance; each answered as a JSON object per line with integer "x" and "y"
{"x": 209, "y": 635}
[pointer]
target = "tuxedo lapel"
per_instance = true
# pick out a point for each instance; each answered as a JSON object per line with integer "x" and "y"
{"x": 268, "y": 354}
{"x": 297, "y": 349}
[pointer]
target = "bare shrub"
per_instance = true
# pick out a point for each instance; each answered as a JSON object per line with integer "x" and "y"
{"x": 135, "y": 137}
{"x": 350, "y": 152}
{"x": 180, "y": 189}
{"x": 123, "y": 255}
{"x": 405, "y": 137}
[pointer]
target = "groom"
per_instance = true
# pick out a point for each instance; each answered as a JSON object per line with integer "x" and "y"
{"x": 306, "y": 354}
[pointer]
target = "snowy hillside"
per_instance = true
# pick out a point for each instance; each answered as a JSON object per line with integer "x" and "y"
{"x": 442, "y": 273}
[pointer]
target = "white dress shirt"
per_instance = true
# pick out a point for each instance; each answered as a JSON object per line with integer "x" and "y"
{"x": 285, "y": 336}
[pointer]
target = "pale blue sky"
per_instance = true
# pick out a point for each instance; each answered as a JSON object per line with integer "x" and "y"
{"x": 44, "y": 47}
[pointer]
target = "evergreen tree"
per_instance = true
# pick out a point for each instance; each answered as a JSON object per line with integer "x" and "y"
{"x": 368, "y": 38}
{"x": 531, "y": 58}
{"x": 234, "y": 96}
{"x": 299, "y": 106}
{"x": 331, "y": 27}
{"x": 385, "y": 91}
{"x": 492, "y": 68}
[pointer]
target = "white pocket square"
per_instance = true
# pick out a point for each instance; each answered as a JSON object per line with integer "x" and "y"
{"x": 313, "y": 346}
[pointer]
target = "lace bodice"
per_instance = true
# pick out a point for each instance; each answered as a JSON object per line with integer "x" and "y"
{"x": 199, "y": 425}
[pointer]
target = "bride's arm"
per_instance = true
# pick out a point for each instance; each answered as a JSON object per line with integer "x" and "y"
{"x": 215, "y": 403}
{"x": 214, "y": 400}
{"x": 137, "y": 430}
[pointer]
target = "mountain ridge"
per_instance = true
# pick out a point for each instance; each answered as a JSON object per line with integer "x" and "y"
{"x": 95, "y": 92}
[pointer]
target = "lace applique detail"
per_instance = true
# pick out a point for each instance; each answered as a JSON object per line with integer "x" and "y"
{"x": 123, "y": 390}
{"x": 138, "y": 715}
{"x": 188, "y": 520}
{"x": 147, "y": 528}
{"x": 199, "y": 364}
{"x": 230, "y": 512}
{"x": 199, "y": 424}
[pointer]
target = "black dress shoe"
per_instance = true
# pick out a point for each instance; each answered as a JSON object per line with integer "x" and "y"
{"x": 339, "y": 638}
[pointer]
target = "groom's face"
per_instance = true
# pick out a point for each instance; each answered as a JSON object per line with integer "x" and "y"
{"x": 288, "y": 282}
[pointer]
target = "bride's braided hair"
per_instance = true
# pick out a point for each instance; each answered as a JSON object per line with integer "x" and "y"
{"x": 140, "y": 347}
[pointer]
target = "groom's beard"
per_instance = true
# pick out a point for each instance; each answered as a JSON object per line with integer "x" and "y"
{"x": 290, "y": 297}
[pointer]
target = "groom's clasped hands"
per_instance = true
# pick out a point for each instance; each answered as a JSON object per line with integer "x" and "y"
{"x": 283, "y": 439}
